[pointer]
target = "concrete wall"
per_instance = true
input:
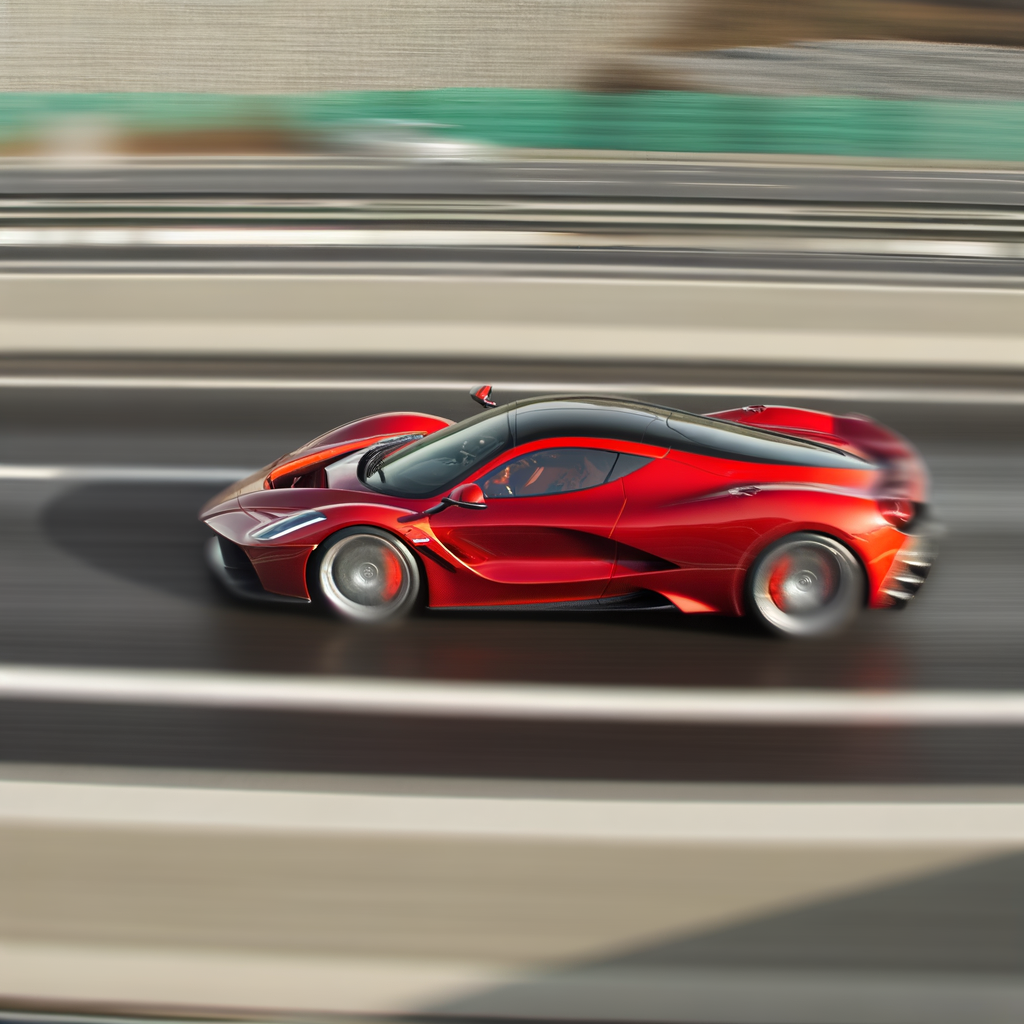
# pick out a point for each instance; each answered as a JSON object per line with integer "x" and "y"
{"x": 628, "y": 320}
{"x": 282, "y": 46}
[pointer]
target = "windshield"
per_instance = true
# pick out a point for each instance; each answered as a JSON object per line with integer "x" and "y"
{"x": 441, "y": 460}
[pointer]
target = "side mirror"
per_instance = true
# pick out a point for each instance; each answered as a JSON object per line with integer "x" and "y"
{"x": 467, "y": 496}
{"x": 464, "y": 496}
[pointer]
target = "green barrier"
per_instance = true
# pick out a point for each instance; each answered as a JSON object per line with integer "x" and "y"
{"x": 651, "y": 121}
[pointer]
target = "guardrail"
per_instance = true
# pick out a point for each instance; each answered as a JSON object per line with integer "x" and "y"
{"x": 941, "y": 231}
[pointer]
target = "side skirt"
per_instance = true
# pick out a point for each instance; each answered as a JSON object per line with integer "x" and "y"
{"x": 641, "y": 601}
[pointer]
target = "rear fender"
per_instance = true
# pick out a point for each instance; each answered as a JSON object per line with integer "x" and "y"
{"x": 784, "y": 418}
{"x": 715, "y": 538}
{"x": 905, "y": 474}
{"x": 853, "y": 520}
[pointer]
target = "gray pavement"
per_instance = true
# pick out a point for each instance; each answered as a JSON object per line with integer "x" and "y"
{"x": 254, "y": 923}
{"x": 247, "y": 889}
{"x": 859, "y": 958}
{"x": 111, "y": 574}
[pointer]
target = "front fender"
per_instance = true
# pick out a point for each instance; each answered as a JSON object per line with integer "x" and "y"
{"x": 281, "y": 564}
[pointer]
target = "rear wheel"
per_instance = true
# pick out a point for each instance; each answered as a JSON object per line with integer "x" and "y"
{"x": 807, "y": 584}
{"x": 366, "y": 575}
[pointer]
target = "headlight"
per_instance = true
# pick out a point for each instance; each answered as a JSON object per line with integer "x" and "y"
{"x": 289, "y": 525}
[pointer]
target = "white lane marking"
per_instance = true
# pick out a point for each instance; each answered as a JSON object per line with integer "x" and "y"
{"x": 623, "y": 821}
{"x": 127, "y": 474}
{"x": 284, "y": 237}
{"x": 575, "y": 233}
{"x": 355, "y": 695}
{"x": 923, "y": 395}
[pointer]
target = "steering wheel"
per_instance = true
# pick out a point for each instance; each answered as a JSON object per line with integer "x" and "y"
{"x": 472, "y": 451}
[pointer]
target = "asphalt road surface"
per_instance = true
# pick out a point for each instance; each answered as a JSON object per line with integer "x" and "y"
{"x": 107, "y": 571}
{"x": 696, "y": 178}
{"x": 214, "y": 860}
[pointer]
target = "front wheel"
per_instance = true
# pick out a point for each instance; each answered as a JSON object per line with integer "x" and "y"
{"x": 366, "y": 575}
{"x": 805, "y": 585}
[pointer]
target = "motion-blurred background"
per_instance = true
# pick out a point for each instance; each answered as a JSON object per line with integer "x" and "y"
{"x": 227, "y": 226}
{"x": 228, "y": 76}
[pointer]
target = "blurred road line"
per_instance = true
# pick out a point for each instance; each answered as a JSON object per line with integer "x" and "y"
{"x": 767, "y": 821}
{"x": 665, "y": 266}
{"x": 355, "y": 695}
{"x": 145, "y": 239}
{"x": 917, "y": 395}
{"x": 71, "y": 229}
{"x": 127, "y": 474}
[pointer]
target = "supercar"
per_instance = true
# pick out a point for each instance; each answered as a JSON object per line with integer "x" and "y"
{"x": 797, "y": 518}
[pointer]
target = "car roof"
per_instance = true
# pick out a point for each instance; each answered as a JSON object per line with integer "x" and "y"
{"x": 555, "y": 416}
{"x": 535, "y": 419}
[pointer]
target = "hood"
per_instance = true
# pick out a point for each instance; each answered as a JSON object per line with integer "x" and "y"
{"x": 298, "y": 468}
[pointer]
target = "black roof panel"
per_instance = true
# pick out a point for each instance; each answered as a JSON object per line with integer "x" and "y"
{"x": 536, "y": 419}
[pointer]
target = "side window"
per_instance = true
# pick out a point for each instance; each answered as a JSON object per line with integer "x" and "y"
{"x": 626, "y": 464}
{"x": 552, "y": 471}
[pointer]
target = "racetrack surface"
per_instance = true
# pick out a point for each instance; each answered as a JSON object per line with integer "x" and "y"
{"x": 223, "y": 855}
{"x": 214, "y": 853}
{"x": 104, "y": 570}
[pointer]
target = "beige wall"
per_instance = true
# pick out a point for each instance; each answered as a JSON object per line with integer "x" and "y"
{"x": 629, "y": 320}
{"x": 283, "y": 46}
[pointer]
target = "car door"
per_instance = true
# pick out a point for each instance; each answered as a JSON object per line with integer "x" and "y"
{"x": 545, "y": 533}
{"x": 682, "y": 532}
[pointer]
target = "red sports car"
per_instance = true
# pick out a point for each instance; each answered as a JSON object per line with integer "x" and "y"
{"x": 794, "y": 517}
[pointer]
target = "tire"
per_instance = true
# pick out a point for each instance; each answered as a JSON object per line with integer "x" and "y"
{"x": 367, "y": 575}
{"x": 805, "y": 585}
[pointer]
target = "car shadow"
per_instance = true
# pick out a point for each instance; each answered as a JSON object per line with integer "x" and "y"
{"x": 149, "y": 535}
{"x": 948, "y": 945}
{"x": 667, "y": 620}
